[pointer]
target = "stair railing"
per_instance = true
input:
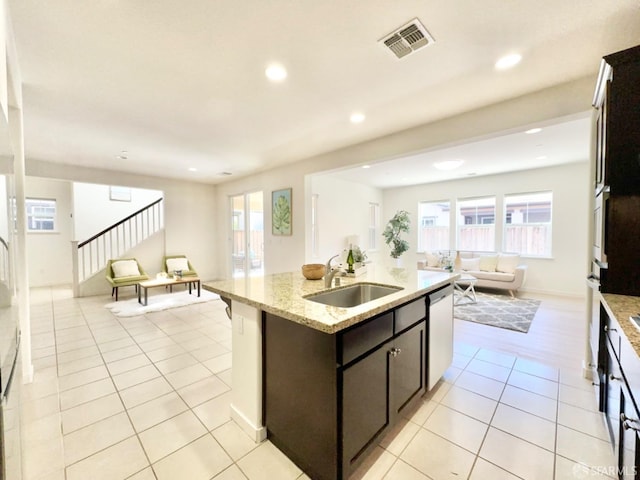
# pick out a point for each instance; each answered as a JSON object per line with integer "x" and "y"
{"x": 90, "y": 256}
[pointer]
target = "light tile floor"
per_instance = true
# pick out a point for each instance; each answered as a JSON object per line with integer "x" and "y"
{"x": 148, "y": 398}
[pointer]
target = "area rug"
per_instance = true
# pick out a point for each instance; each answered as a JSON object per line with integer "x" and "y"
{"x": 158, "y": 302}
{"x": 499, "y": 311}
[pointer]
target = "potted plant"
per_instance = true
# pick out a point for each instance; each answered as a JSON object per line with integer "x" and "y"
{"x": 397, "y": 225}
{"x": 359, "y": 259}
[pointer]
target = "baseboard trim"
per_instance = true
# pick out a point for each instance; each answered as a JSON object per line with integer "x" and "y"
{"x": 258, "y": 434}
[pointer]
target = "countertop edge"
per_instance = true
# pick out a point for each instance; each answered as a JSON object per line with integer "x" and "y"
{"x": 621, "y": 307}
{"x": 347, "y": 322}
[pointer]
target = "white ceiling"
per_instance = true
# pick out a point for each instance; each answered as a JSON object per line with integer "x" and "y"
{"x": 181, "y": 84}
{"x": 567, "y": 141}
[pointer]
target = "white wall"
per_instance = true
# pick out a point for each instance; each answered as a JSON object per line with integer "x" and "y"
{"x": 49, "y": 253}
{"x": 284, "y": 254}
{"x": 565, "y": 272}
{"x": 93, "y": 210}
{"x": 4, "y": 208}
{"x": 343, "y": 210}
{"x": 189, "y": 209}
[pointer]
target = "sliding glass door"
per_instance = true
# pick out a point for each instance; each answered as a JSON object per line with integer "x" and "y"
{"x": 247, "y": 234}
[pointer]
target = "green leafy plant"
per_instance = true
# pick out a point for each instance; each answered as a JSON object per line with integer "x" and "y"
{"x": 282, "y": 215}
{"x": 358, "y": 255}
{"x": 397, "y": 225}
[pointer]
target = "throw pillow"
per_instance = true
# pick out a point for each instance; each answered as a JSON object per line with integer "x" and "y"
{"x": 488, "y": 263}
{"x": 125, "y": 268}
{"x": 507, "y": 263}
{"x": 433, "y": 260}
{"x": 174, "y": 264}
{"x": 470, "y": 264}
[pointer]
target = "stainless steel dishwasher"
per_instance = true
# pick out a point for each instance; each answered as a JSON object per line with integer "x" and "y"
{"x": 440, "y": 351}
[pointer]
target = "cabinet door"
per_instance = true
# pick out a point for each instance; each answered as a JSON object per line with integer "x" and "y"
{"x": 365, "y": 404}
{"x": 408, "y": 360}
{"x": 628, "y": 451}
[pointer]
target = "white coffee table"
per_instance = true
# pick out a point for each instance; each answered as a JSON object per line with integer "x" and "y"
{"x": 464, "y": 288}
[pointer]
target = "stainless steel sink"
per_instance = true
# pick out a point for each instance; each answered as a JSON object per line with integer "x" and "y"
{"x": 353, "y": 295}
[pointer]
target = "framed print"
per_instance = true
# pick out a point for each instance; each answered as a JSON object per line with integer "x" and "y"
{"x": 120, "y": 194}
{"x": 281, "y": 212}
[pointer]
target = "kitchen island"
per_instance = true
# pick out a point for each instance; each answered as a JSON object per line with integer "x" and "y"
{"x": 324, "y": 383}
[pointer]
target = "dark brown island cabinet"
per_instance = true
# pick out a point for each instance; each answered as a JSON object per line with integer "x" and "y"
{"x": 329, "y": 398}
{"x": 615, "y": 274}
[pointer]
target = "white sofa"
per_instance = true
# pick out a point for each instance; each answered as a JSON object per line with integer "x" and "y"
{"x": 493, "y": 270}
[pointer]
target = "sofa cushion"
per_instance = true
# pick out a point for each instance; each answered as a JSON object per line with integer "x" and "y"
{"x": 433, "y": 260}
{"x": 496, "y": 276}
{"x": 488, "y": 263}
{"x": 507, "y": 263}
{"x": 179, "y": 263}
{"x": 125, "y": 268}
{"x": 469, "y": 264}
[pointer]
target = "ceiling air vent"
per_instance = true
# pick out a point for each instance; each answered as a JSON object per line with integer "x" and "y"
{"x": 408, "y": 39}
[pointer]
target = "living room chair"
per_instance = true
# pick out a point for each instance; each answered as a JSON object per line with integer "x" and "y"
{"x": 124, "y": 272}
{"x": 171, "y": 263}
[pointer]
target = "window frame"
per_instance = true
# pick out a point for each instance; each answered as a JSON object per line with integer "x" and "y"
{"x": 479, "y": 222}
{"x": 374, "y": 226}
{"x": 31, "y": 202}
{"x": 421, "y": 247}
{"x": 549, "y": 234}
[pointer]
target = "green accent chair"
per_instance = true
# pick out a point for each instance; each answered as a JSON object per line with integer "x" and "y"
{"x": 118, "y": 281}
{"x": 189, "y": 272}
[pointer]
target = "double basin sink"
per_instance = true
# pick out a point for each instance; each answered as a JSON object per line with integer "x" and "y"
{"x": 353, "y": 295}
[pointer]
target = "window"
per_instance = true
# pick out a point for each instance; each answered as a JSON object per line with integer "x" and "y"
{"x": 315, "y": 234}
{"x": 41, "y": 214}
{"x": 374, "y": 225}
{"x": 476, "y": 224}
{"x": 433, "y": 234}
{"x": 527, "y": 227}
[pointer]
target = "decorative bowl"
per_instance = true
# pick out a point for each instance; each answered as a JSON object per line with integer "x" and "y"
{"x": 313, "y": 271}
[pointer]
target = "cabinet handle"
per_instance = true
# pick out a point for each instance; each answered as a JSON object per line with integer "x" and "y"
{"x": 613, "y": 377}
{"x": 626, "y": 424}
{"x": 607, "y": 329}
{"x": 395, "y": 351}
{"x": 624, "y": 418}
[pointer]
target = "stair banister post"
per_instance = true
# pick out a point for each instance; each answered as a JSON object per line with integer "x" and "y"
{"x": 75, "y": 273}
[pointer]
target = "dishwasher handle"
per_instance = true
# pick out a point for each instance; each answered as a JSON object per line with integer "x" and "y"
{"x": 441, "y": 294}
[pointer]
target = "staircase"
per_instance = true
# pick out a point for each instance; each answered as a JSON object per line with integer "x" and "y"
{"x": 90, "y": 256}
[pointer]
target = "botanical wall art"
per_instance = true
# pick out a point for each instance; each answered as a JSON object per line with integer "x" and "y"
{"x": 281, "y": 212}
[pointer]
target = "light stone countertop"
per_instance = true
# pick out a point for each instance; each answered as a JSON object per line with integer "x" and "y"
{"x": 281, "y": 294}
{"x": 621, "y": 307}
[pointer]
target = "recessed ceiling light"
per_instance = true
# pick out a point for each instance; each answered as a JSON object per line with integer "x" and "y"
{"x": 193, "y": 169}
{"x": 533, "y": 130}
{"x": 366, "y": 166}
{"x": 448, "y": 164}
{"x": 276, "y": 72}
{"x": 357, "y": 117}
{"x": 508, "y": 61}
